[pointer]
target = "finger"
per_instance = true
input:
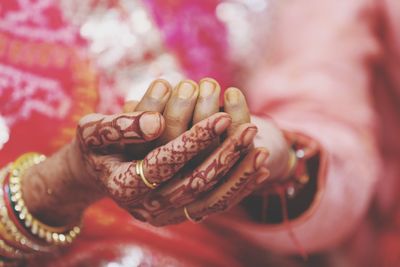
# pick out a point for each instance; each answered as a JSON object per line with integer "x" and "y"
{"x": 97, "y": 131}
{"x": 117, "y": 177}
{"x": 208, "y": 101}
{"x": 156, "y": 97}
{"x": 246, "y": 177}
{"x": 181, "y": 191}
{"x": 130, "y": 106}
{"x": 163, "y": 162}
{"x": 207, "y": 104}
{"x": 236, "y": 106}
{"x": 204, "y": 177}
{"x": 179, "y": 110}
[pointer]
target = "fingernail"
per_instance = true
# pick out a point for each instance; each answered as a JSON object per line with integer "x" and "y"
{"x": 222, "y": 124}
{"x": 249, "y": 136}
{"x": 150, "y": 124}
{"x": 261, "y": 159}
{"x": 206, "y": 88}
{"x": 186, "y": 90}
{"x": 233, "y": 97}
{"x": 158, "y": 90}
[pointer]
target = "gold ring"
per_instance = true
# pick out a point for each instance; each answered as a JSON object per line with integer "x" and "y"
{"x": 139, "y": 171}
{"x": 187, "y": 215}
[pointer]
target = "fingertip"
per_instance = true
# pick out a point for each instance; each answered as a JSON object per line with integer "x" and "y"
{"x": 233, "y": 96}
{"x": 261, "y": 158}
{"x": 159, "y": 88}
{"x": 248, "y": 134}
{"x": 187, "y": 89}
{"x": 222, "y": 122}
{"x": 151, "y": 124}
{"x": 161, "y": 80}
{"x": 209, "y": 87}
{"x": 209, "y": 79}
{"x": 222, "y": 114}
{"x": 248, "y": 126}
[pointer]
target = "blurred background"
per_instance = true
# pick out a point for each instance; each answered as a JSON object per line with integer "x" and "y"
{"x": 116, "y": 48}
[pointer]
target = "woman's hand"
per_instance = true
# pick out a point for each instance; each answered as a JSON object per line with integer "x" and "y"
{"x": 102, "y": 141}
{"x": 215, "y": 180}
{"x": 95, "y": 164}
{"x": 187, "y": 165}
{"x": 182, "y": 180}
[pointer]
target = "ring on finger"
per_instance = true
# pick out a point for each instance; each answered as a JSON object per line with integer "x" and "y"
{"x": 187, "y": 215}
{"x": 140, "y": 172}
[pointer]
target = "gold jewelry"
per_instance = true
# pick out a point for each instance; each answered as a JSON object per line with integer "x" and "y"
{"x": 9, "y": 230}
{"x": 292, "y": 163}
{"x": 10, "y": 252}
{"x": 49, "y": 234}
{"x": 187, "y": 215}
{"x": 140, "y": 172}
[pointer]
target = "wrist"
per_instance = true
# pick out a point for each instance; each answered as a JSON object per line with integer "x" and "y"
{"x": 57, "y": 191}
{"x": 22, "y": 233}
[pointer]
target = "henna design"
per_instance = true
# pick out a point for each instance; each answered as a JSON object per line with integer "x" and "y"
{"x": 119, "y": 178}
{"x": 241, "y": 183}
{"x": 96, "y": 131}
{"x": 203, "y": 178}
{"x": 163, "y": 162}
{"x": 210, "y": 172}
{"x": 212, "y": 204}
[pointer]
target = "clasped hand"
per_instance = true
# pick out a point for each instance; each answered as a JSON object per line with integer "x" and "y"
{"x": 205, "y": 169}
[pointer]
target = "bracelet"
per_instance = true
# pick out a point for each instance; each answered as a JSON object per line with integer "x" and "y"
{"x": 292, "y": 163}
{"x": 11, "y": 232}
{"x": 7, "y": 250}
{"x": 46, "y": 233}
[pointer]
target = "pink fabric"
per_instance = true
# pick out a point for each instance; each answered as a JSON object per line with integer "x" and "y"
{"x": 194, "y": 34}
{"x": 331, "y": 74}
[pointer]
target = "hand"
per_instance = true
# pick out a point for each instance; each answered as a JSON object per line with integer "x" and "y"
{"x": 186, "y": 105}
{"x": 102, "y": 140}
{"x": 212, "y": 183}
{"x": 94, "y": 165}
{"x": 58, "y": 190}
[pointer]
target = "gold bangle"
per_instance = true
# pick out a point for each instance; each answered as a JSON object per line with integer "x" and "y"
{"x": 9, "y": 228}
{"x": 140, "y": 172}
{"x": 49, "y": 234}
{"x": 10, "y": 252}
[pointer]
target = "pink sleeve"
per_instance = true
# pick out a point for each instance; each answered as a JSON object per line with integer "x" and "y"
{"x": 318, "y": 82}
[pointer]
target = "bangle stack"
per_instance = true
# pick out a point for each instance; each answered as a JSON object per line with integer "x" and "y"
{"x": 21, "y": 234}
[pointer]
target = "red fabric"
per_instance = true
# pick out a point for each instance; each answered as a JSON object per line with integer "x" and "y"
{"x": 47, "y": 84}
{"x": 333, "y": 75}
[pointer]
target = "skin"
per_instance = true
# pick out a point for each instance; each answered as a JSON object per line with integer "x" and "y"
{"x": 193, "y": 169}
